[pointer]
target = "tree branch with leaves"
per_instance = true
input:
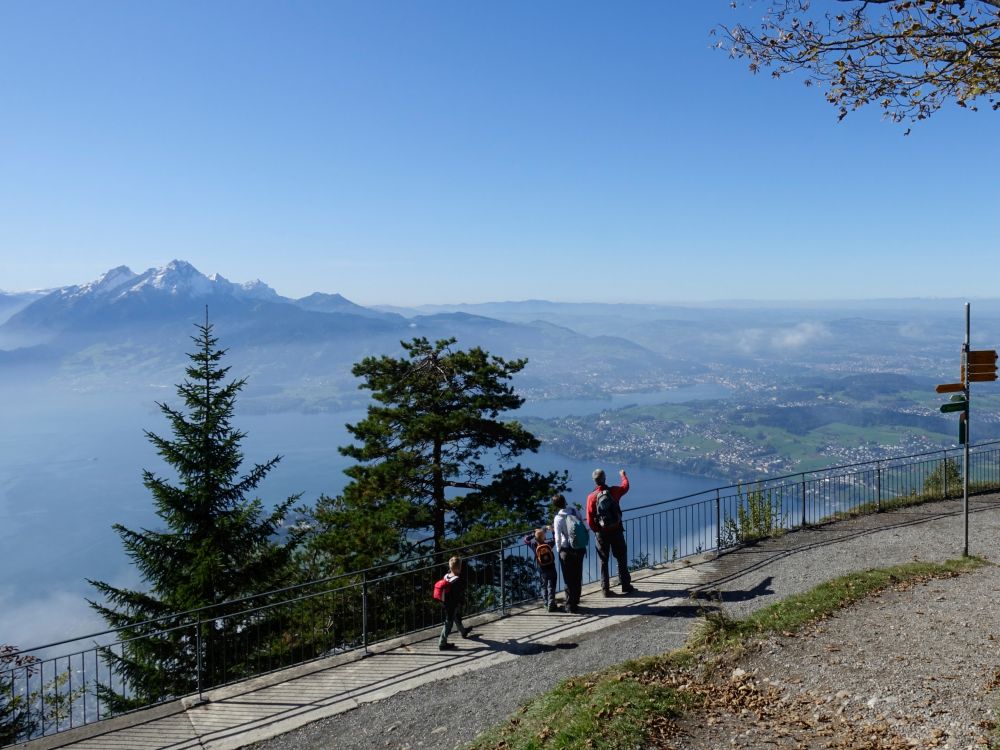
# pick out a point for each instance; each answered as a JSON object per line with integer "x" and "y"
{"x": 908, "y": 57}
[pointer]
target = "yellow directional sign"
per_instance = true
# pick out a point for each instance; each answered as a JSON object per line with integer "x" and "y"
{"x": 950, "y": 387}
{"x": 979, "y": 373}
{"x": 982, "y": 365}
{"x": 982, "y": 357}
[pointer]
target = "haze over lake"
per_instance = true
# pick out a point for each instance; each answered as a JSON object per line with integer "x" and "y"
{"x": 82, "y": 367}
{"x": 71, "y": 466}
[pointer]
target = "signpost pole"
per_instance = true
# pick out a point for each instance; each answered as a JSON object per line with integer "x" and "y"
{"x": 978, "y": 366}
{"x": 965, "y": 462}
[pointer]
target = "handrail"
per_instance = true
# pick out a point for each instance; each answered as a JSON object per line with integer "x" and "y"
{"x": 797, "y": 474}
{"x": 240, "y": 640}
{"x": 194, "y": 613}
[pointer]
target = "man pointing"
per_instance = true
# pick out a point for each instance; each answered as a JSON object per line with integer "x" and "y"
{"x": 604, "y": 516}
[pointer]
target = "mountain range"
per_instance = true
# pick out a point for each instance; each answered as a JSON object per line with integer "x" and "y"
{"x": 128, "y": 329}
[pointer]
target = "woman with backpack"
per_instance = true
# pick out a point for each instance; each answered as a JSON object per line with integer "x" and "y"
{"x": 572, "y": 539}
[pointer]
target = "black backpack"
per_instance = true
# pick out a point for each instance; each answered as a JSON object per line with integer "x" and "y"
{"x": 609, "y": 515}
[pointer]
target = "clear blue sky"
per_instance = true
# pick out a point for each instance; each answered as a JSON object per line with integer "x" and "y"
{"x": 419, "y": 152}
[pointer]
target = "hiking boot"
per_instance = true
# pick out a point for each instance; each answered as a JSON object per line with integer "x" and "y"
{"x": 555, "y": 608}
{"x": 467, "y": 633}
{"x": 447, "y": 647}
{"x": 628, "y": 588}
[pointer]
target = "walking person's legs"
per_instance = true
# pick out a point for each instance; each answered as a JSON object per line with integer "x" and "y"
{"x": 620, "y": 550}
{"x": 603, "y": 546}
{"x": 449, "y": 615}
{"x": 458, "y": 622}
{"x": 577, "y": 579}
{"x": 543, "y": 582}
{"x": 565, "y": 565}
{"x": 549, "y": 588}
{"x": 572, "y": 570}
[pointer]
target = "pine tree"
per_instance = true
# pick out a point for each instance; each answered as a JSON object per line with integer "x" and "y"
{"x": 434, "y": 460}
{"x": 216, "y": 545}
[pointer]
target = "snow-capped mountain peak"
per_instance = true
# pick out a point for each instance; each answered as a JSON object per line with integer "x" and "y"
{"x": 178, "y": 277}
{"x": 257, "y": 289}
{"x": 107, "y": 283}
{"x": 160, "y": 293}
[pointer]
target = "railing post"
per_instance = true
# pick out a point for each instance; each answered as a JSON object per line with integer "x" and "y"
{"x": 364, "y": 610}
{"x": 503, "y": 584}
{"x": 718, "y": 523}
{"x": 803, "y": 500}
{"x": 198, "y": 648}
{"x": 878, "y": 487}
{"x": 944, "y": 475}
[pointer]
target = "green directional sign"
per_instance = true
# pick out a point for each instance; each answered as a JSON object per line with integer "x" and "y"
{"x": 962, "y": 405}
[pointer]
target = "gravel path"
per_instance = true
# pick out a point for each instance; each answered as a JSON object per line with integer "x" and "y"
{"x": 918, "y": 666}
{"x": 922, "y": 657}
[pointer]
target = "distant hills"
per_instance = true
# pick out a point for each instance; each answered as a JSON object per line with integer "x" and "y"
{"x": 130, "y": 329}
{"x": 127, "y": 329}
{"x": 13, "y": 302}
{"x": 805, "y": 386}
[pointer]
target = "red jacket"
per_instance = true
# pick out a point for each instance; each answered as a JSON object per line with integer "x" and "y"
{"x": 616, "y": 495}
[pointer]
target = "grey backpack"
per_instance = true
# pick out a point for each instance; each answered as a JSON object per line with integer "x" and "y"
{"x": 577, "y": 530}
{"x": 609, "y": 515}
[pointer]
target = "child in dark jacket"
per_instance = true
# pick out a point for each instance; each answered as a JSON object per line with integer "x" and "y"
{"x": 545, "y": 562}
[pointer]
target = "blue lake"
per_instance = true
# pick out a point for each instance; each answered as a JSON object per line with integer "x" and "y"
{"x": 71, "y": 469}
{"x": 578, "y": 407}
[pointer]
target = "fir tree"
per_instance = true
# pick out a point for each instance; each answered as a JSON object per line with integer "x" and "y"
{"x": 215, "y": 545}
{"x": 434, "y": 460}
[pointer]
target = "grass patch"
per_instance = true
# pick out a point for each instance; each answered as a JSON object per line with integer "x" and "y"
{"x": 899, "y": 502}
{"x": 629, "y": 705}
{"x": 605, "y": 710}
{"x": 719, "y": 632}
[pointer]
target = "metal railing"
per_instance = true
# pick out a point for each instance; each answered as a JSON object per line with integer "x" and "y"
{"x": 58, "y": 686}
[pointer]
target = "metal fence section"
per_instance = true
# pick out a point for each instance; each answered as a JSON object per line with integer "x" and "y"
{"x": 58, "y": 686}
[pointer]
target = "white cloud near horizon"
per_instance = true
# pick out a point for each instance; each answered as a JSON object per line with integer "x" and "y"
{"x": 754, "y": 340}
{"x": 799, "y": 336}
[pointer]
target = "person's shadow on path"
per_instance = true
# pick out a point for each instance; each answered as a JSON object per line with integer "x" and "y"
{"x": 697, "y": 602}
{"x": 521, "y": 648}
{"x": 727, "y": 597}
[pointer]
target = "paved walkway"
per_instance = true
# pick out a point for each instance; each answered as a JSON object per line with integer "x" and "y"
{"x": 269, "y": 706}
